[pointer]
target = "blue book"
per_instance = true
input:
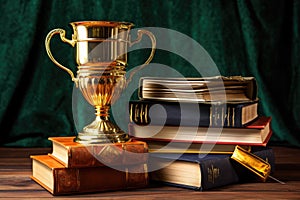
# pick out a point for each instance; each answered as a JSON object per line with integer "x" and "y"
{"x": 192, "y": 114}
{"x": 201, "y": 172}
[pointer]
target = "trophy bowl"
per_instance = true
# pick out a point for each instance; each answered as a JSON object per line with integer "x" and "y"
{"x": 101, "y": 56}
{"x": 101, "y": 87}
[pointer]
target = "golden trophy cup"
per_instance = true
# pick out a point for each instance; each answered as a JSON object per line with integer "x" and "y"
{"x": 101, "y": 55}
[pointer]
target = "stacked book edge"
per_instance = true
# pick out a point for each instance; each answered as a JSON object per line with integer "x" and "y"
{"x": 199, "y": 130}
{"x": 74, "y": 168}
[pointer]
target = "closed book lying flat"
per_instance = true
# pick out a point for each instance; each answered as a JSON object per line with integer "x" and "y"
{"x": 205, "y": 89}
{"x": 200, "y": 172}
{"x": 73, "y": 154}
{"x": 184, "y": 147}
{"x": 256, "y": 133}
{"x": 58, "y": 179}
{"x": 192, "y": 114}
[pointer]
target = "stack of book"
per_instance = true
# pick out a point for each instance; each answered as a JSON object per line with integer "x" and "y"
{"x": 185, "y": 119}
{"x": 75, "y": 168}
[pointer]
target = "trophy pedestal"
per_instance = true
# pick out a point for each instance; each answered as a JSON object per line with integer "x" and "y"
{"x": 101, "y": 130}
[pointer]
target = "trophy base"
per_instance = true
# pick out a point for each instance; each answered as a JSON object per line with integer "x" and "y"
{"x": 101, "y": 131}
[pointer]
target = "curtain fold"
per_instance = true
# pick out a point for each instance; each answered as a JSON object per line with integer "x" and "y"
{"x": 248, "y": 38}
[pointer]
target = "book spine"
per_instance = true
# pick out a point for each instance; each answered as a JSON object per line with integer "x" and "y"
{"x": 174, "y": 114}
{"x": 221, "y": 172}
{"x": 111, "y": 155}
{"x": 83, "y": 180}
{"x": 217, "y": 172}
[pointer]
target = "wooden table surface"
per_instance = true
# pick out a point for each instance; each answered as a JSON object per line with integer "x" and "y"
{"x": 15, "y": 182}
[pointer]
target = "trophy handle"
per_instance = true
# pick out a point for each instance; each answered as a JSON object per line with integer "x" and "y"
{"x": 72, "y": 42}
{"x": 153, "y": 41}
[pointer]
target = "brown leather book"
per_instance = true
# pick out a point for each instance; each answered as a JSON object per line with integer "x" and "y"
{"x": 58, "y": 179}
{"x": 72, "y": 154}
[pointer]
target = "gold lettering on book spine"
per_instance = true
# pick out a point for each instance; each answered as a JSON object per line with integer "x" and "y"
{"x": 228, "y": 116}
{"x": 233, "y": 117}
{"x": 210, "y": 116}
{"x": 213, "y": 173}
{"x": 146, "y": 113}
{"x": 136, "y": 115}
{"x": 223, "y": 116}
{"x": 141, "y": 114}
{"x": 217, "y": 115}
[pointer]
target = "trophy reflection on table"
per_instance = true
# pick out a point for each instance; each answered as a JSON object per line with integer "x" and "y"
{"x": 101, "y": 55}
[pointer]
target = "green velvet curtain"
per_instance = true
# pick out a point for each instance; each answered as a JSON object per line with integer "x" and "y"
{"x": 249, "y": 38}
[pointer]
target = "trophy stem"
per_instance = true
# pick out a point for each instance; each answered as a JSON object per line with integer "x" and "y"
{"x": 102, "y": 111}
{"x": 101, "y": 130}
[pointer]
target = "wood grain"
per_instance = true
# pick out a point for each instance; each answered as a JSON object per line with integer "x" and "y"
{"x": 15, "y": 182}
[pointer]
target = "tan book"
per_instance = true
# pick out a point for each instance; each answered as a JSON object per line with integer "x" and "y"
{"x": 72, "y": 154}
{"x": 206, "y": 89}
{"x": 58, "y": 179}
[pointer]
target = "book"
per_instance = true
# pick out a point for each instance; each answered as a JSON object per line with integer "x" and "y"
{"x": 205, "y": 89}
{"x": 192, "y": 114}
{"x": 256, "y": 133}
{"x": 201, "y": 173}
{"x": 72, "y": 154}
{"x": 58, "y": 179}
{"x": 183, "y": 147}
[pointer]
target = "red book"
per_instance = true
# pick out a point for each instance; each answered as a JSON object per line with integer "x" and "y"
{"x": 257, "y": 133}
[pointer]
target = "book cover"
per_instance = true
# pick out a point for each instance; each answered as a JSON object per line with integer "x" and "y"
{"x": 58, "y": 179}
{"x": 202, "y": 173}
{"x": 257, "y": 133}
{"x": 72, "y": 154}
{"x": 192, "y": 114}
{"x": 205, "y": 89}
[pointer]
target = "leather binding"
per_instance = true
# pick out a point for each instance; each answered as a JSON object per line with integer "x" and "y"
{"x": 72, "y": 154}
{"x": 58, "y": 179}
{"x": 145, "y": 112}
{"x": 215, "y": 170}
